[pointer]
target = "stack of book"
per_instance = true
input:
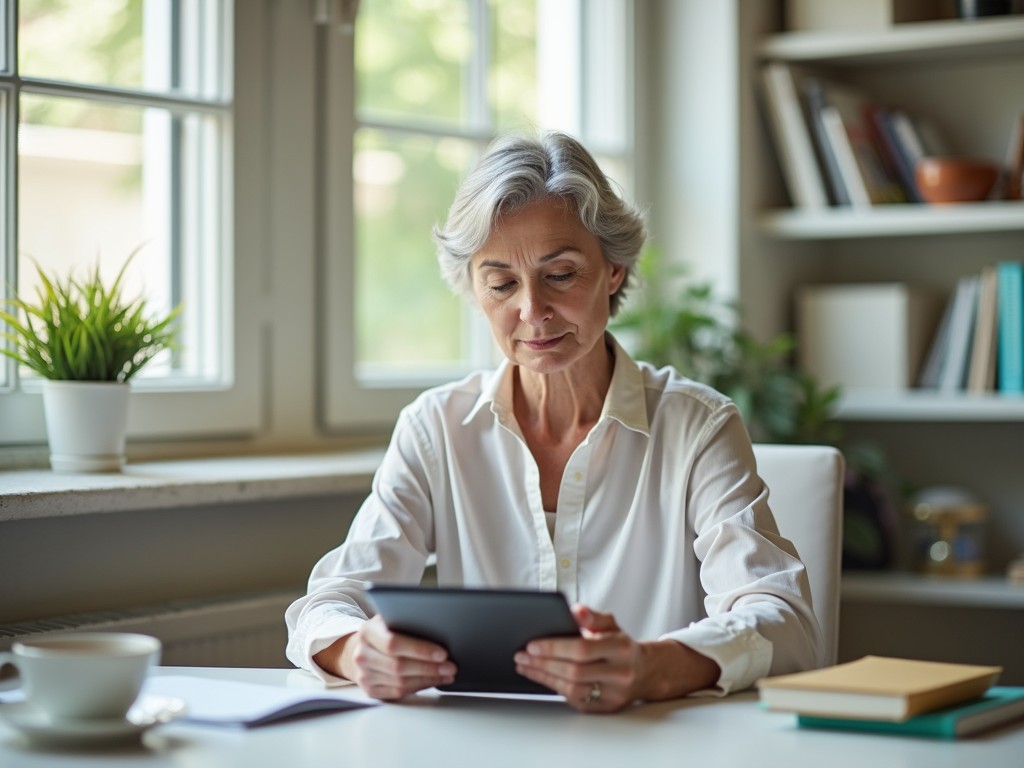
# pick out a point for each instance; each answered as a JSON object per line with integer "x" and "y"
{"x": 838, "y": 146}
{"x": 900, "y": 696}
{"x": 978, "y": 345}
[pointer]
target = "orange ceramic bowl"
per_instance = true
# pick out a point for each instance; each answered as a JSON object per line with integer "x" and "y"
{"x": 955, "y": 179}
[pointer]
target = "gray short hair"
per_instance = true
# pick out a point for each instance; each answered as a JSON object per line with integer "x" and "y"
{"x": 519, "y": 170}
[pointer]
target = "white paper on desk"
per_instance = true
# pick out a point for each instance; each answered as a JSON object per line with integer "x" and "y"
{"x": 230, "y": 702}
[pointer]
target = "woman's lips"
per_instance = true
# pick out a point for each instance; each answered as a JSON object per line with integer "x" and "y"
{"x": 541, "y": 344}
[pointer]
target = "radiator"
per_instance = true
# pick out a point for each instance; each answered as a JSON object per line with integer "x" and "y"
{"x": 242, "y": 631}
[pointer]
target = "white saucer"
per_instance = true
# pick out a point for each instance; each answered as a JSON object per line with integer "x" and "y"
{"x": 41, "y": 730}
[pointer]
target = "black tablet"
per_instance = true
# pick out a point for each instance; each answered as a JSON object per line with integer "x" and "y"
{"x": 481, "y": 629}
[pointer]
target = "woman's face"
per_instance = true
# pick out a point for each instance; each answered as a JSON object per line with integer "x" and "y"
{"x": 544, "y": 286}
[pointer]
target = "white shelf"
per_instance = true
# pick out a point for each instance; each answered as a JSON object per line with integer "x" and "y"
{"x": 928, "y": 405}
{"x": 894, "y": 220}
{"x": 922, "y": 41}
{"x": 988, "y": 592}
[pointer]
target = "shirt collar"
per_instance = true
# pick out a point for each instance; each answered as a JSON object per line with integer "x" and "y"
{"x": 625, "y": 402}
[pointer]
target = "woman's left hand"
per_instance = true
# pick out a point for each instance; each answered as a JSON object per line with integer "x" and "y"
{"x": 598, "y": 672}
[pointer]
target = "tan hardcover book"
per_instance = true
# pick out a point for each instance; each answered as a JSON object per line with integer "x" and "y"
{"x": 982, "y": 372}
{"x": 1015, "y": 161}
{"x": 877, "y": 688}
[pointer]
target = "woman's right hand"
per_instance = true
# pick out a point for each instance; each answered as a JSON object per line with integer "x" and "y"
{"x": 385, "y": 664}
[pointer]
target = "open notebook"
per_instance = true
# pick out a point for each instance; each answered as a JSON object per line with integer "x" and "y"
{"x": 230, "y": 702}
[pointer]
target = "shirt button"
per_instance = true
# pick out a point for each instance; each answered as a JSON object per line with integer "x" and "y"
{"x": 579, "y": 477}
{"x": 566, "y": 562}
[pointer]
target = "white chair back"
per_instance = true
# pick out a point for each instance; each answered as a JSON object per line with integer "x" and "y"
{"x": 806, "y": 495}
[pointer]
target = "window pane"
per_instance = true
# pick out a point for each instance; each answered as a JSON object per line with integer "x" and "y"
{"x": 512, "y": 81}
{"x": 98, "y": 181}
{"x": 5, "y": 62}
{"x": 156, "y": 46}
{"x": 408, "y": 319}
{"x": 6, "y": 239}
{"x": 413, "y": 61}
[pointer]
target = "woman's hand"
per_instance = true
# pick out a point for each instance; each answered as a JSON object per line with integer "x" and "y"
{"x": 385, "y": 664}
{"x": 605, "y": 670}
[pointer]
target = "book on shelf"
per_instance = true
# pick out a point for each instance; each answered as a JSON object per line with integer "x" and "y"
{"x": 853, "y": 108}
{"x": 1014, "y": 189}
{"x": 1010, "y": 348}
{"x": 877, "y": 688}
{"x": 813, "y": 92}
{"x": 981, "y": 376}
{"x": 845, "y": 16}
{"x": 791, "y": 137}
{"x": 864, "y": 335}
{"x": 846, "y": 159}
{"x": 998, "y": 706}
{"x": 899, "y": 160}
{"x": 938, "y": 349}
{"x": 913, "y": 138}
{"x": 953, "y": 377}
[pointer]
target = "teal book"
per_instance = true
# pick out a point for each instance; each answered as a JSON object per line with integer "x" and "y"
{"x": 1010, "y": 355}
{"x": 999, "y": 705}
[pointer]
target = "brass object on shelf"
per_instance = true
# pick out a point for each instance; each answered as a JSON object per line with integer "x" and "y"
{"x": 950, "y": 527}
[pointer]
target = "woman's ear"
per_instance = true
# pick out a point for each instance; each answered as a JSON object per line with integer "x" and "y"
{"x": 615, "y": 278}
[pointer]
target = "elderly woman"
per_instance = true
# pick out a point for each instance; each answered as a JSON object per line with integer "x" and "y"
{"x": 630, "y": 489}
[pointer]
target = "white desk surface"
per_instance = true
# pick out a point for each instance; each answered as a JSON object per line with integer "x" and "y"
{"x": 452, "y": 732}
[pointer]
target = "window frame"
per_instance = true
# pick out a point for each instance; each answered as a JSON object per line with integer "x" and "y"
{"x": 289, "y": 316}
{"x": 160, "y": 409}
{"x": 349, "y": 404}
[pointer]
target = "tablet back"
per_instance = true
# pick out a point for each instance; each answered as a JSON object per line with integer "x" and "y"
{"x": 481, "y": 629}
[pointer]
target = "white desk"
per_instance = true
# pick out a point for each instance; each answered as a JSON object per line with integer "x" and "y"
{"x": 451, "y": 732}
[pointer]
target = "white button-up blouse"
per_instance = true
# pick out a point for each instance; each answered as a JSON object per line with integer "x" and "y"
{"x": 661, "y": 520}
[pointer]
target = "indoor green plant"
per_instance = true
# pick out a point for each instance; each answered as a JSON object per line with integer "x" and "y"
{"x": 87, "y": 340}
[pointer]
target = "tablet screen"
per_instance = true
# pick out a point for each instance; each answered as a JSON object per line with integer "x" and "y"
{"x": 481, "y": 629}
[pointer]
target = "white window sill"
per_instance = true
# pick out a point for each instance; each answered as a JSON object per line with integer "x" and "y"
{"x": 34, "y": 494}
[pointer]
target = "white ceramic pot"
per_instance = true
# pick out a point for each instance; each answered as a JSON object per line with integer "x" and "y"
{"x": 86, "y": 423}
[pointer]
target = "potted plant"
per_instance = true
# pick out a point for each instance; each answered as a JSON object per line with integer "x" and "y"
{"x": 87, "y": 341}
{"x": 676, "y": 321}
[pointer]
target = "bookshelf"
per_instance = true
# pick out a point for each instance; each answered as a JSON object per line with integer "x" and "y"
{"x": 927, "y": 67}
{"x": 904, "y": 44}
{"x": 965, "y": 77}
{"x": 920, "y": 590}
{"x": 923, "y": 405}
{"x": 923, "y": 41}
{"x": 893, "y": 221}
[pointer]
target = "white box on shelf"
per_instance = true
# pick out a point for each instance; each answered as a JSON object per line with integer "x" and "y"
{"x": 808, "y": 15}
{"x": 864, "y": 336}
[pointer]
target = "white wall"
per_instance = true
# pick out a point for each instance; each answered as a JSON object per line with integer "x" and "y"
{"x": 694, "y": 53}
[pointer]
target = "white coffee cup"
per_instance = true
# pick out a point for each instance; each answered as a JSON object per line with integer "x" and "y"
{"x": 83, "y": 675}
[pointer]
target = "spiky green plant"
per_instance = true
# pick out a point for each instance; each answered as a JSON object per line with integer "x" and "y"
{"x": 82, "y": 330}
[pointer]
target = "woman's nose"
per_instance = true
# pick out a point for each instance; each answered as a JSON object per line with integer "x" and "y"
{"x": 534, "y": 308}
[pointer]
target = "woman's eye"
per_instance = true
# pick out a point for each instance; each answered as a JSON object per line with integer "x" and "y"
{"x": 562, "y": 277}
{"x": 503, "y": 287}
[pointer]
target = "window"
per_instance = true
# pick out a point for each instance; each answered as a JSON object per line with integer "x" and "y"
{"x": 117, "y": 137}
{"x": 435, "y": 81}
{"x": 282, "y": 177}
